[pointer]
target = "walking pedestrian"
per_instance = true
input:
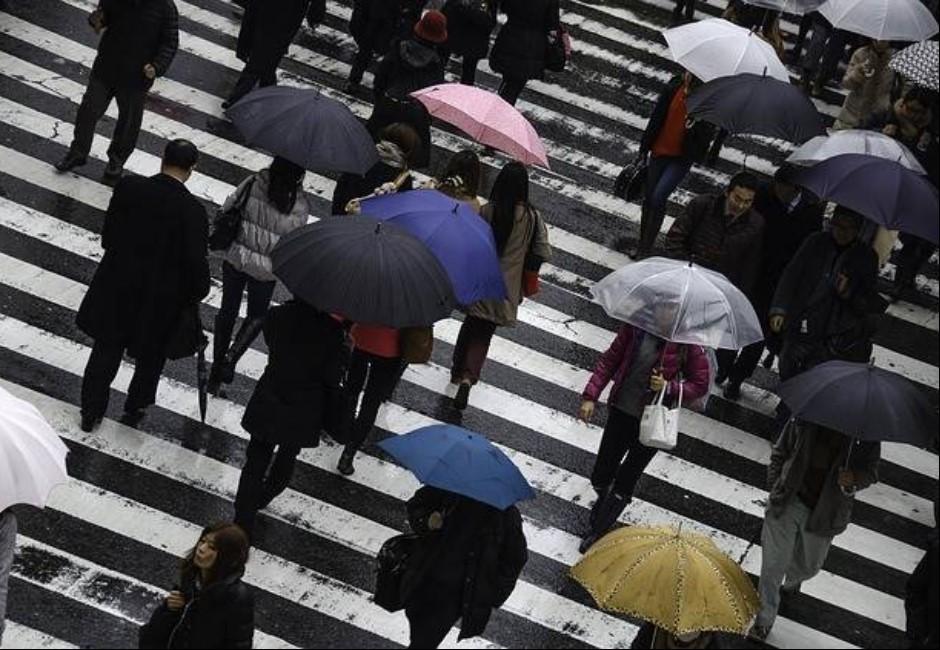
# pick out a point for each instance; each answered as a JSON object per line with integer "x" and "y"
{"x": 275, "y": 205}
{"x": 813, "y": 477}
{"x": 265, "y": 35}
{"x": 467, "y": 561}
{"x": 790, "y": 214}
{"x": 651, "y": 636}
{"x": 7, "y": 547}
{"x": 138, "y": 42}
{"x": 686, "y": 6}
{"x": 519, "y": 51}
{"x": 914, "y": 254}
{"x": 210, "y": 607}
{"x": 522, "y": 244}
{"x": 672, "y": 143}
{"x": 869, "y": 81}
{"x": 397, "y": 147}
{"x": 806, "y": 23}
{"x": 287, "y": 410}
{"x": 640, "y": 365}
{"x": 374, "y": 25}
{"x": 154, "y": 269}
{"x": 461, "y": 178}
{"x": 469, "y": 26}
{"x": 826, "y": 48}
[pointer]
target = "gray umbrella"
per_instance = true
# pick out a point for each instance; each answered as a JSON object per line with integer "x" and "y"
{"x": 365, "y": 270}
{"x": 862, "y": 401}
{"x": 305, "y": 127}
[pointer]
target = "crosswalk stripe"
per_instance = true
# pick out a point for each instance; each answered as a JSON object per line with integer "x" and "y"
{"x": 21, "y": 636}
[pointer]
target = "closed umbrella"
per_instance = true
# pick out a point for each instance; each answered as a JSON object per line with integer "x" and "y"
{"x": 32, "y": 457}
{"x": 487, "y": 118}
{"x": 758, "y": 105}
{"x": 460, "y": 461}
{"x": 798, "y": 7}
{"x": 305, "y": 127}
{"x": 460, "y": 239}
{"x": 715, "y": 47}
{"x": 368, "y": 271}
{"x": 883, "y": 20}
{"x": 861, "y": 401}
{"x": 858, "y": 141}
{"x": 919, "y": 64}
{"x": 680, "y": 302}
{"x": 882, "y": 190}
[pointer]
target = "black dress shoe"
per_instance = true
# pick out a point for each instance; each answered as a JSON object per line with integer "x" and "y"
{"x": 113, "y": 170}
{"x": 732, "y": 391}
{"x": 90, "y": 422}
{"x": 133, "y": 418}
{"x": 71, "y": 161}
{"x": 345, "y": 464}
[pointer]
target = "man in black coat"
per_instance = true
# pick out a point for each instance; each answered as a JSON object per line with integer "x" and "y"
{"x": 519, "y": 50}
{"x": 469, "y": 26}
{"x": 374, "y": 25}
{"x": 138, "y": 43}
{"x": 154, "y": 268}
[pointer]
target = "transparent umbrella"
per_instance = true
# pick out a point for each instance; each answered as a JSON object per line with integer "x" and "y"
{"x": 860, "y": 141}
{"x": 680, "y": 302}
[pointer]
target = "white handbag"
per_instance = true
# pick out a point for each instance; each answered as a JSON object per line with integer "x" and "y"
{"x": 659, "y": 427}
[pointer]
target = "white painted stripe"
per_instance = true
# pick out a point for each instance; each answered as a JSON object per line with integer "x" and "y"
{"x": 20, "y": 636}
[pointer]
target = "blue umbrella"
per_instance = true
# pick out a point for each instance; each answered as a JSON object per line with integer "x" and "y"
{"x": 460, "y": 461}
{"x": 459, "y": 238}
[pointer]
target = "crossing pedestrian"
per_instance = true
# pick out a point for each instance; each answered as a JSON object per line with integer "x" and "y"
{"x": 397, "y": 147}
{"x": 461, "y": 178}
{"x": 374, "y": 25}
{"x": 683, "y": 6}
{"x": 914, "y": 254}
{"x": 466, "y": 564}
{"x": 869, "y": 81}
{"x": 825, "y": 49}
{"x": 210, "y": 607}
{"x": 813, "y": 477}
{"x": 522, "y": 243}
{"x": 138, "y": 42}
{"x": 154, "y": 269}
{"x": 287, "y": 410}
{"x": 640, "y": 365}
{"x": 7, "y": 546}
{"x": 469, "y": 26}
{"x": 519, "y": 51}
{"x": 274, "y": 204}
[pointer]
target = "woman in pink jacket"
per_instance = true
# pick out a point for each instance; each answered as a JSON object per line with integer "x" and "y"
{"x": 640, "y": 365}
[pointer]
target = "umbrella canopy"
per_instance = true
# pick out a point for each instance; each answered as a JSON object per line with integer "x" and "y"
{"x": 460, "y": 239}
{"x": 862, "y": 401}
{"x": 680, "y": 302}
{"x": 368, "y": 271}
{"x": 460, "y": 461}
{"x": 487, "y": 118}
{"x": 882, "y": 190}
{"x": 677, "y": 580}
{"x": 306, "y": 127}
{"x": 859, "y": 141}
{"x": 919, "y": 63}
{"x": 715, "y": 47}
{"x": 798, "y": 7}
{"x": 32, "y": 457}
{"x": 884, "y": 20}
{"x": 757, "y": 104}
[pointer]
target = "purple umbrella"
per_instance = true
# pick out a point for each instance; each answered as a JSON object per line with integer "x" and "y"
{"x": 882, "y": 190}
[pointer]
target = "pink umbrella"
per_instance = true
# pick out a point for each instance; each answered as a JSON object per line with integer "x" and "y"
{"x": 487, "y": 118}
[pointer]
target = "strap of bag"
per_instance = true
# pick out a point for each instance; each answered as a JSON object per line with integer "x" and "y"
{"x": 246, "y": 193}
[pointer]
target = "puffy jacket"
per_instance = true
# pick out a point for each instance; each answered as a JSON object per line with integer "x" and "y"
{"x": 616, "y": 361}
{"x": 262, "y": 227}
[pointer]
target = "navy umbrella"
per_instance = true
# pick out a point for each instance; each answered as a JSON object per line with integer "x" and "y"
{"x": 758, "y": 105}
{"x": 305, "y": 127}
{"x": 365, "y": 270}
{"x": 862, "y": 401}
{"x": 883, "y": 190}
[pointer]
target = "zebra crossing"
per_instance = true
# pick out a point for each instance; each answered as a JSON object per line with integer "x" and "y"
{"x": 92, "y": 565}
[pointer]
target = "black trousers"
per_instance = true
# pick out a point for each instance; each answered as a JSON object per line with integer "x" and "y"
{"x": 688, "y": 5}
{"x": 738, "y": 366}
{"x": 468, "y": 67}
{"x": 376, "y": 378}
{"x": 266, "y": 473}
{"x": 257, "y": 72}
{"x": 234, "y": 284}
{"x": 431, "y": 613}
{"x": 510, "y": 89}
{"x": 621, "y": 438}
{"x": 95, "y": 102}
{"x": 101, "y": 369}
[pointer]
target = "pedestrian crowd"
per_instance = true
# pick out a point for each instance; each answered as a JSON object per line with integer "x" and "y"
{"x": 805, "y": 264}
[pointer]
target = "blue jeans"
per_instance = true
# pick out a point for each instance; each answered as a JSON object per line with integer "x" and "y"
{"x": 663, "y": 176}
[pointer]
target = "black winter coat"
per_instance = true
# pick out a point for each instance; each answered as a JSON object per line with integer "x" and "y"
{"x": 519, "y": 50}
{"x": 469, "y": 30}
{"x": 155, "y": 241}
{"x": 306, "y": 357}
{"x": 138, "y": 32}
{"x": 410, "y": 65}
{"x": 220, "y": 616}
{"x": 268, "y": 29}
{"x": 376, "y": 24}
{"x": 699, "y": 134}
{"x": 352, "y": 186}
{"x": 478, "y": 554}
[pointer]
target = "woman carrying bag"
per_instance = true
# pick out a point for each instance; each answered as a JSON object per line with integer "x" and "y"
{"x": 642, "y": 366}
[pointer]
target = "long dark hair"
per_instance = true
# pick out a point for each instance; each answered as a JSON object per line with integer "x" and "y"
{"x": 283, "y": 183}
{"x": 231, "y": 544}
{"x": 511, "y": 188}
{"x": 462, "y": 174}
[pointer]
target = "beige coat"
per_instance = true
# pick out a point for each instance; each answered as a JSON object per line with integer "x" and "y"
{"x": 528, "y": 224}
{"x": 867, "y": 94}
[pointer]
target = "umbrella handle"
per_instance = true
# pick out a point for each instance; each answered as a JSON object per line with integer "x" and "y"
{"x": 845, "y": 465}
{"x": 353, "y": 206}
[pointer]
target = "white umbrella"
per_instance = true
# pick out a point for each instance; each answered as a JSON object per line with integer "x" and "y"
{"x": 714, "y": 48}
{"x": 870, "y": 143}
{"x": 32, "y": 457}
{"x": 919, "y": 63}
{"x": 884, "y": 20}
{"x": 680, "y": 302}
{"x": 799, "y": 7}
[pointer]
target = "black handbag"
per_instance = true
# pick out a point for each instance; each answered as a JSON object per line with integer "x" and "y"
{"x": 391, "y": 564}
{"x": 227, "y": 223}
{"x": 631, "y": 181}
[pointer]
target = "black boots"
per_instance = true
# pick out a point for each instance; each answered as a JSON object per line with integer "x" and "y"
{"x": 223, "y": 366}
{"x": 604, "y": 515}
{"x": 345, "y": 464}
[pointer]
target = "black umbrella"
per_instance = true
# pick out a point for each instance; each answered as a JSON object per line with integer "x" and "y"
{"x": 365, "y": 270}
{"x": 862, "y": 401}
{"x": 759, "y": 105}
{"x": 202, "y": 378}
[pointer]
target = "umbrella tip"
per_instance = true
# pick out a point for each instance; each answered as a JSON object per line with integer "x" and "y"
{"x": 378, "y": 227}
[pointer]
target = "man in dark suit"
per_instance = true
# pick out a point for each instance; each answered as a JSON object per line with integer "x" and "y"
{"x": 154, "y": 268}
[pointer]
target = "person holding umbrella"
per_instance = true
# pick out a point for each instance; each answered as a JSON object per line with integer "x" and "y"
{"x": 461, "y": 179}
{"x": 397, "y": 150}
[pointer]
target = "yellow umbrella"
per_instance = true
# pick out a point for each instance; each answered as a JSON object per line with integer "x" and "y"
{"x": 679, "y": 581}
